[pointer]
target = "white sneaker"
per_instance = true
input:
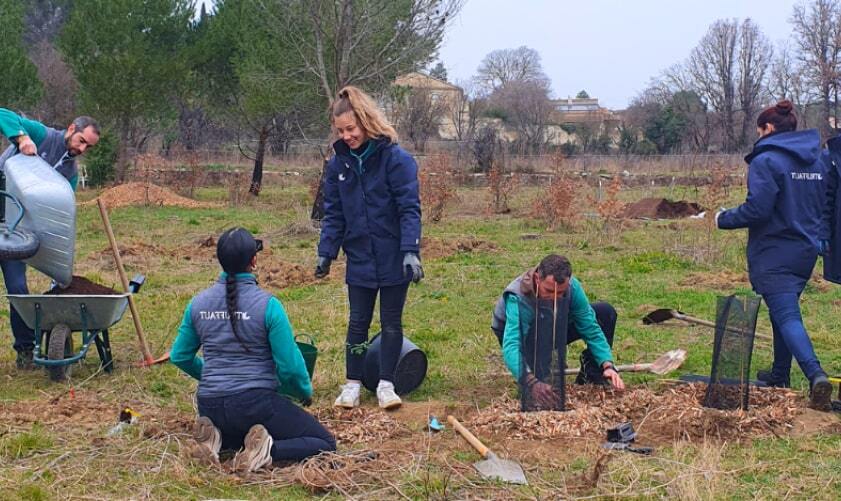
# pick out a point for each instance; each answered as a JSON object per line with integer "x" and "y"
{"x": 385, "y": 394}
{"x": 208, "y": 439}
{"x": 349, "y": 398}
{"x": 257, "y": 452}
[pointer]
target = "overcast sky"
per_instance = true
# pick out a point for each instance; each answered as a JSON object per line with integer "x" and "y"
{"x": 610, "y": 48}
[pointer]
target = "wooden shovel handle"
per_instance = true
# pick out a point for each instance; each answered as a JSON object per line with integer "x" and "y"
{"x": 106, "y": 221}
{"x": 471, "y": 438}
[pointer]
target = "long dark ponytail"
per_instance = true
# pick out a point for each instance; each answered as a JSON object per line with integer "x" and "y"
{"x": 235, "y": 250}
{"x": 231, "y": 301}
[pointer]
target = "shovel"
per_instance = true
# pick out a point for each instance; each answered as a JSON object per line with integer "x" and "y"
{"x": 664, "y": 364}
{"x": 663, "y": 314}
{"x": 491, "y": 467}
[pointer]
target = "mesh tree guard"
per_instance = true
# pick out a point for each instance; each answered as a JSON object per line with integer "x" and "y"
{"x": 543, "y": 357}
{"x": 735, "y": 325}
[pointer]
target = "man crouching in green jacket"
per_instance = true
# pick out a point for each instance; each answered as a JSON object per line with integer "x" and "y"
{"x": 514, "y": 318}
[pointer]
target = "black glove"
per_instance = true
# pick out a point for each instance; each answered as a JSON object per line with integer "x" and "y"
{"x": 412, "y": 264}
{"x": 322, "y": 267}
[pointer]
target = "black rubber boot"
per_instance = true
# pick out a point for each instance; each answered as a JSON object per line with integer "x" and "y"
{"x": 773, "y": 378}
{"x": 24, "y": 360}
{"x": 820, "y": 395}
{"x": 590, "y": 372}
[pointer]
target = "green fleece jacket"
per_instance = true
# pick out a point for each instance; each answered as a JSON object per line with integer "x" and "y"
{"x": 290, "y": 369}
{"x": 13, "y": 125}
{"x": 581, "y": 314}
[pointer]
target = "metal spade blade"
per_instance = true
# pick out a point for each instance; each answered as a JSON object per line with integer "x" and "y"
{"x": 668, "y": 362}
{"x": 506, "y": 470}
{"x": 491, "y": 467}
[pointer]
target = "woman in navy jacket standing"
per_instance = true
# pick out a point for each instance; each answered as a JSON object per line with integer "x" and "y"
{"x": 372, "y": 211}
{"x": 782, "y": 213}
{"x": 831, "y": 227}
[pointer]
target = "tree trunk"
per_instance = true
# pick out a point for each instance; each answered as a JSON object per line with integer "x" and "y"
{"x": 317, "y": 213}
{"x": 257, "y": 174}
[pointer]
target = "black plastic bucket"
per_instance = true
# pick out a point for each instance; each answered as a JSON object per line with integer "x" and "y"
{"x": 308, "y": 351}
{"x": 409, "y": 373}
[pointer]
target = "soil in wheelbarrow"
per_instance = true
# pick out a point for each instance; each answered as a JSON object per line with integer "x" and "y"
{"x": 84, "y": 287}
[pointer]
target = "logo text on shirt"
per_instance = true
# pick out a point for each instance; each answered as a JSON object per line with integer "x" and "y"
{"x": 223, "y": 315}
{"x": 807, "y": 176}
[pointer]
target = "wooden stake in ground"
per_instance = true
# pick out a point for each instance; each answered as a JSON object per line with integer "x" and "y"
{"x": 144, "y": 347}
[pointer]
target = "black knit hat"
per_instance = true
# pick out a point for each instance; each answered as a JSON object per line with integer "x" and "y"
{"x": 235, "y": 249}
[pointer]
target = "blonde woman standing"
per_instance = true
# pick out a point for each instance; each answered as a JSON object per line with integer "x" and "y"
{"x": 372, "y": 211}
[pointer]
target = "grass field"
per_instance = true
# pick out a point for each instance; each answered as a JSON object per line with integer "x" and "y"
{"x": 53, "y": 441}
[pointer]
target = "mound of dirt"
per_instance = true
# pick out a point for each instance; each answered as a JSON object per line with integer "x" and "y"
{"x": 145, "y": 194}
{"x": 437, "y": 248}
{"x": 661, "y": 208}
{"x": 83, "y": 286}
{"x": 721, "y": 280}
{"x": 663, "y": 415}
{"x": 280, "y": 274}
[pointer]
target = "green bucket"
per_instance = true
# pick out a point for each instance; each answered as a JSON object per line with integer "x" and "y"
{"x": 309, "y": 352}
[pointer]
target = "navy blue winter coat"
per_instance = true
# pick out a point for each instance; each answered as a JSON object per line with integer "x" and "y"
{"x": 782, "y": 211}
{"x": 831, "y": 228}
{"x": 372, "y": 211}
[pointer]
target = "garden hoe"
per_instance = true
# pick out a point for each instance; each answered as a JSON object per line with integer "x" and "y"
{"x": 663, "y": 314}
{"x": 491, "y": 466}
{"x": 664, "y": 364}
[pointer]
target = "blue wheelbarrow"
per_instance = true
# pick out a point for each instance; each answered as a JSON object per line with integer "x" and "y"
{"x": 55, "y": 318}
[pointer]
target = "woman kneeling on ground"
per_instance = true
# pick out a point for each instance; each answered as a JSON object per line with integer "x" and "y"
{"x": 250, "y": 358}
{"x": 783, "y": 215}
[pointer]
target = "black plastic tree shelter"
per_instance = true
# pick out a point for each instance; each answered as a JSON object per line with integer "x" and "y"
{"x": 735, "y": 326}
{"x": 543, "y": 351}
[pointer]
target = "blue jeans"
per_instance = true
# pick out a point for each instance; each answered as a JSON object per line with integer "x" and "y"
{"x": 296, "y": 433}
{"x": 14, "y": 275}
{"x": 790, "y": 336}
{"x": 362, "y": 300}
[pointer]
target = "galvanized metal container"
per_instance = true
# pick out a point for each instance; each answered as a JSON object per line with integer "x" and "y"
{"x": 50, "y": 206}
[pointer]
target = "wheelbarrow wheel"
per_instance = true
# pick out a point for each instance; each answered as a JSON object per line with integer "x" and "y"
{"x": 18, "y": 244}
{"x": 57, "y": 350}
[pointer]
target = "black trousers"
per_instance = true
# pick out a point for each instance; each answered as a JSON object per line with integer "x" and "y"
{"x": 362, "y": 301}
{"x": 605, "y": 316}
{"x": 296, "y": 433}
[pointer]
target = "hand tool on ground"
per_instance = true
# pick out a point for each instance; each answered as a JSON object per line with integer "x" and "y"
{"x": 664, "y": 364}
{"x": 491, "y": 467}
{"x": 663, "y": 314}
{"x": 144, "y": 346}
{"x": 622, "y": 437}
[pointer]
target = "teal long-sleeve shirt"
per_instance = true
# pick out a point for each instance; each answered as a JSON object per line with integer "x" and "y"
{"x": 13, "y": 125}
{"x": 583, "y": 318}
{"x": 290, "y": 368}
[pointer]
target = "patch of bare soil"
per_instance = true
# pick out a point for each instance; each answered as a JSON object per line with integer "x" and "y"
{"x": 145, "y": 194}
{"x": 819, "y": 283}
{"x": 718, "y": 280}
{"x": 437, "y": 248}
{"x": 661, "y": 208}
{"x": 659, "y": 416}
{"x": 83, "y": 411}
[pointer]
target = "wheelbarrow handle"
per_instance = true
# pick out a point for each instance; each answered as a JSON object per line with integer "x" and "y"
{"x": 14, "y": 199}
{"x": 471, "y": 438}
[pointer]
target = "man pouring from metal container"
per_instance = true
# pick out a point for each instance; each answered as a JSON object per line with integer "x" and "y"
{"x": 58, "y": 148}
